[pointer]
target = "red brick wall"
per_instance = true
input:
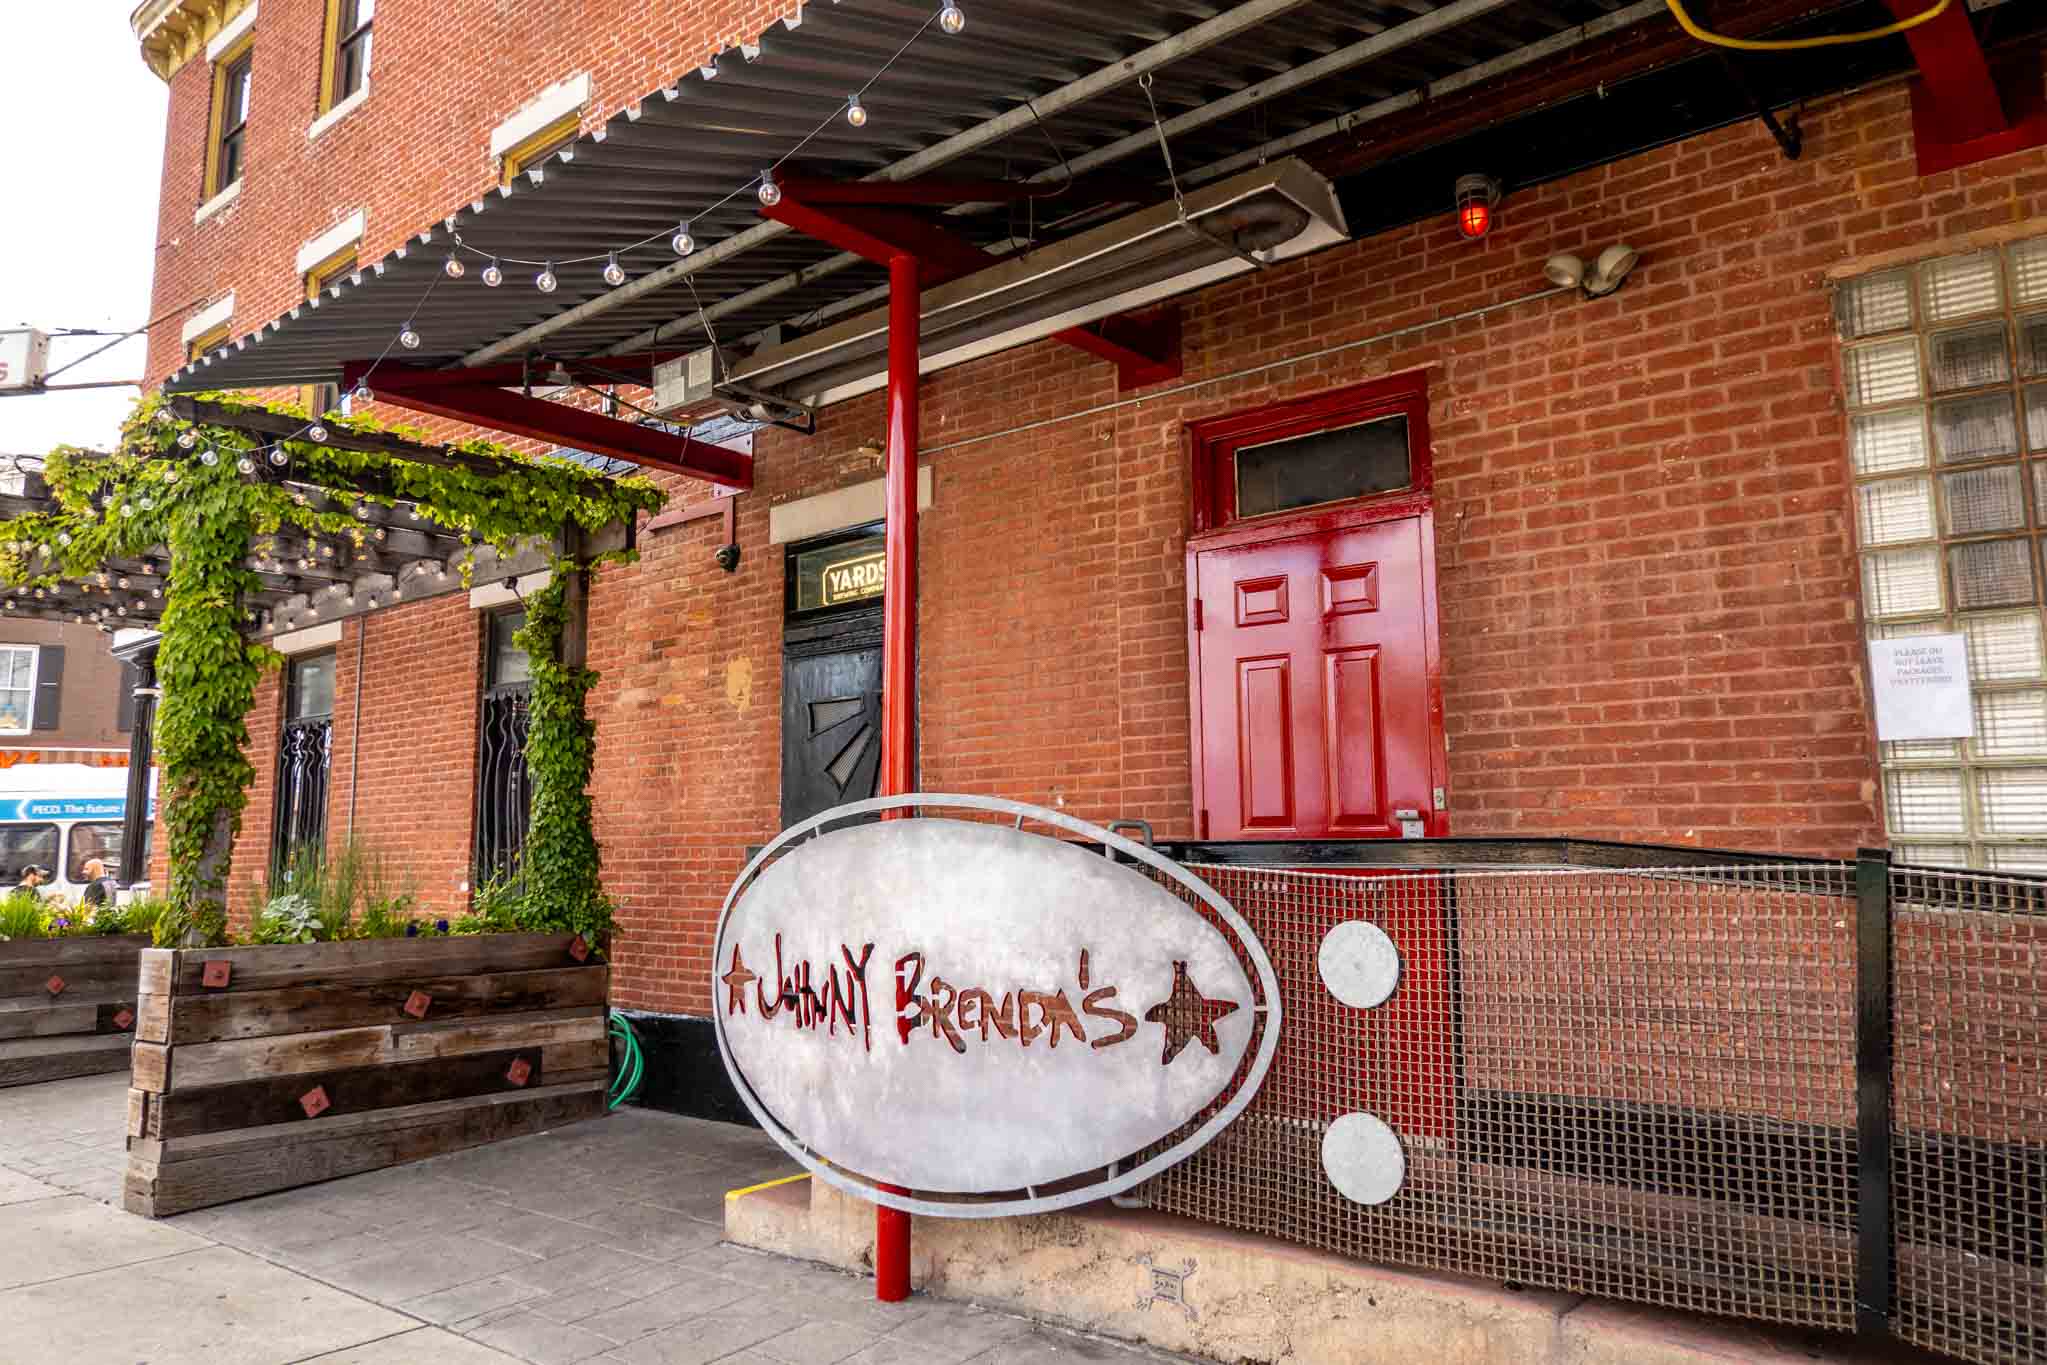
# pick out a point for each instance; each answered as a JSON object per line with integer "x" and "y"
{"x": 1645, "y": 545}
{"x": 444, "y": 73}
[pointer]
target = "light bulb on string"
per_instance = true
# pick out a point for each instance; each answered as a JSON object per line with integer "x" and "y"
{"x": 682, "y": 241}
{"x": 614, "y": 273}
{"x": 245, "y": 465}
{"x": 545, "y": 281}
{"x": 770, "y": 193}
{"x": 315, "y": 433}
{"x": 492, "y": 276}
{"x": 209, "y": 458}
{"x": 187, "y": 439}
{"x": 171, "y": 475}
{"x": 278, "y": 457}
{"x": 408, "y": 338}
{"x": 856, "y": 112}
{"x": 361, "y": 396}
{"x": 951, "y": 17}
{"x": 454, "y": 267}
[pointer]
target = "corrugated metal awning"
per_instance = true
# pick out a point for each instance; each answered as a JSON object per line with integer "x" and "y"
{"x": 1030, "y": 87}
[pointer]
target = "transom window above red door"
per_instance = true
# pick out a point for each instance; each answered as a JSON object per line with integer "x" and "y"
{"x": 1364, "y": 441}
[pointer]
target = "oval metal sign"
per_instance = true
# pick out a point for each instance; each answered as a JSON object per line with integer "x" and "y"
{"x": 961, "y": 1018}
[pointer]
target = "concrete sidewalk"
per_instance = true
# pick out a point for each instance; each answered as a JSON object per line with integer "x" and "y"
{"x": 600, "y": 1242}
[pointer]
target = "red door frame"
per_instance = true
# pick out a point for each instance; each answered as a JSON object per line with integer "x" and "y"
{"x": 1210, "y": 440}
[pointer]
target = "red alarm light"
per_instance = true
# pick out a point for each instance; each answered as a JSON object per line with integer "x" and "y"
{"x": 1475, "y": 196}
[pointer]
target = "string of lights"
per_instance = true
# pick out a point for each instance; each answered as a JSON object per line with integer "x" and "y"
{"x": 949, "y": 18}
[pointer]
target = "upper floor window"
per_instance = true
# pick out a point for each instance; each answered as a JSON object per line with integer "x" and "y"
{"x": 17, "y": 689}
{"x": 213, "y": 338}
{"x": 535, "y": 150}
{"x": 328, "y": 271}
{"x": 543, "y": 126}
{"x": 345, "y": 71}
{"x": 225, "y": 151}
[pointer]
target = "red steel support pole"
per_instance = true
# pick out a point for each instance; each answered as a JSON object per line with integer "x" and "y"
{"x": 899, "y": 653}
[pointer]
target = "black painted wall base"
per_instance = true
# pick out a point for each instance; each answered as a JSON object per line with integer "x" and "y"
{"x": 683, "y": 1073}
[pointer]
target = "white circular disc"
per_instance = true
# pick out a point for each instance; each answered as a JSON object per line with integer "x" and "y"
{"x": 1359, "y": 964}
{"x": 1362, "y": 1157}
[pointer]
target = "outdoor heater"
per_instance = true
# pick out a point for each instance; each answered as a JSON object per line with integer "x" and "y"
{"x": 1249, "y": 221}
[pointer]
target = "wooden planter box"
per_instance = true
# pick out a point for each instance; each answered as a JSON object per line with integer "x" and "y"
{"x": 67, "y": 1006}
{"x": 319, "y": 1060}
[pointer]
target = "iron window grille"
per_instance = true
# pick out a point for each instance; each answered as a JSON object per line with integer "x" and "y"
{"x": 304, "y": 760}
{"x": 504, "y": 784}
{"x": 1944, "y": 368}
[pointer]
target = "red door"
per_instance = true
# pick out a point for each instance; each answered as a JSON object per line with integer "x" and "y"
{"x": 1317, "y": 718}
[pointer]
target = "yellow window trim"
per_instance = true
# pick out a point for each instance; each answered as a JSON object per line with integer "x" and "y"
{"x": 538, "y": 146}
{"x": 330, "y": 270}
{"x": 330, "y": 49}
{"x": 213, "y": 121}
{"x": 210, "y": 339}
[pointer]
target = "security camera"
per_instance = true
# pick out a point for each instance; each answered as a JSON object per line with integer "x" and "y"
{"x": 728, "y": 558}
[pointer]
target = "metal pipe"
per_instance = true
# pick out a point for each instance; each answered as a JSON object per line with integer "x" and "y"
{"x": 899, "y": 652}
{"x": 362, "y": 635}
{"x": 1193, "y": 384}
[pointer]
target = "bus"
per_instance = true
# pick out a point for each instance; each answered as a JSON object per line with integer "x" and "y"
{"x": 61, "y": 816}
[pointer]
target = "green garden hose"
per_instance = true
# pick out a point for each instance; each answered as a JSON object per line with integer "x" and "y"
{"x": 626, "y": 1083}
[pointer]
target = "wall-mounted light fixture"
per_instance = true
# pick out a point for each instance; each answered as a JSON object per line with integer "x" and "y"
{"x": 1608, "y": 272}
{"x": 1476, "y": 195}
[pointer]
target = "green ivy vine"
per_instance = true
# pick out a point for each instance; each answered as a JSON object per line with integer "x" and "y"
{"x": 562, "y": 890}
{"x": 204, "y": 493}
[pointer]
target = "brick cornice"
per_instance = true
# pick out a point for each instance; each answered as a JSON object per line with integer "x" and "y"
{"x": 172, "y": 32}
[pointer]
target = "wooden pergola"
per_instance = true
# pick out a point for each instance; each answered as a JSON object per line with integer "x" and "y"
{"x": 308, "y": 579}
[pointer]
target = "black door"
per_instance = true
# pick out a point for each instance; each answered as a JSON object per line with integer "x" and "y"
{"x": 831, "y": 715}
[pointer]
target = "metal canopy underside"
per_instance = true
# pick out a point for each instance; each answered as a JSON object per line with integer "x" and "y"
{"x": 687, "y": 146}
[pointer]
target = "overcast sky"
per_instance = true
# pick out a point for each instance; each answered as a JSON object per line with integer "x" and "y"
{"x": 84, "y": 120}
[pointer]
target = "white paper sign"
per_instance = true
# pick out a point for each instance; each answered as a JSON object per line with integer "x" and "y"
{"x": 1922, "y": 687}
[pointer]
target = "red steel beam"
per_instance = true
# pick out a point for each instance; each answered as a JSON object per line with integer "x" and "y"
{"x": 899, "y": 651}
{"x": 487, "y": 405}
{"x": 1142, "y": 352}
{"x": 1953, "y": 73}
{"x": 638, "y": 368}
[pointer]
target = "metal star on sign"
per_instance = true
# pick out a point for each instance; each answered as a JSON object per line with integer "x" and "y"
{"x": 1187, "y": 1014}
{"x": 736, "y": 981}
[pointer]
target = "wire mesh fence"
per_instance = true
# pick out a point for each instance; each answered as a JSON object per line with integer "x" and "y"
{"x": 1642, "y": 1084}
{"x": 1969, "y": 1114}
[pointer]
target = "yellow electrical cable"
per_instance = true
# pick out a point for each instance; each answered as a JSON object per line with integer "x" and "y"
{"x": 1684, "y": 21}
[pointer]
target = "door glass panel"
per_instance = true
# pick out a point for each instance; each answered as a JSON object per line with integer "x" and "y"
{"x": 312, "y": 687}
{"x": 1324, "y": 466}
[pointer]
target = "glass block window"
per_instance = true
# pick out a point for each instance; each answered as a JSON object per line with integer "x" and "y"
{"x": 1944, "y": 371}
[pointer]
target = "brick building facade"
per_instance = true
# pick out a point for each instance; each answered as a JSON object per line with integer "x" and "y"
{"x": 1644, "y": 512}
